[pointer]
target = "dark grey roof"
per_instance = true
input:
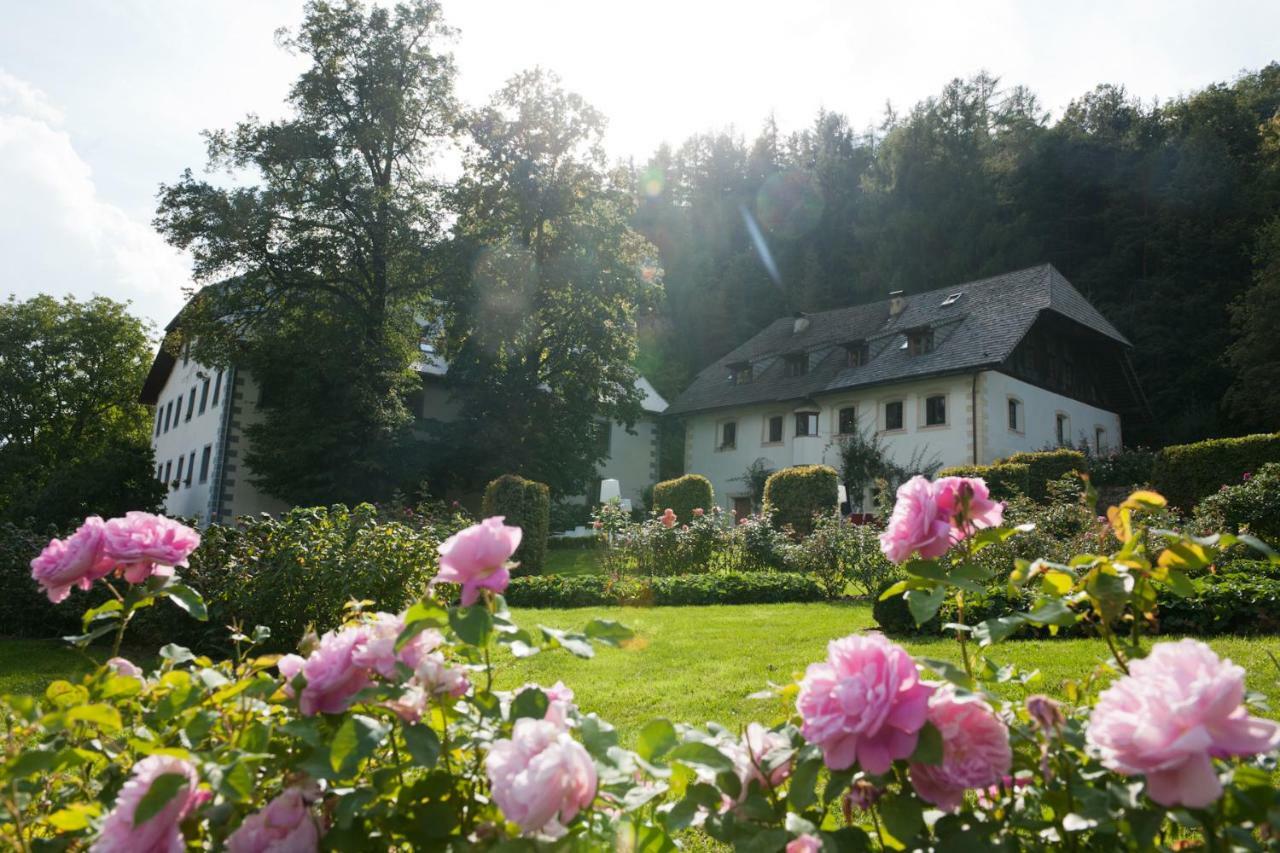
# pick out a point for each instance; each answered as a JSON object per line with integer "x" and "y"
{"x": 980, "y": 329}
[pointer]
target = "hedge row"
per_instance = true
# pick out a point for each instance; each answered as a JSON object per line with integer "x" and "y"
{"x": 1185, "y": 473}
{"x": 1045, "y": 466}
{"x": 673, "y": 590}
{"x": 683, "y": 495}
{"x": 794, "y": 495}
{"x": 525, "y": 504}
{"x": 1005, "y": 479}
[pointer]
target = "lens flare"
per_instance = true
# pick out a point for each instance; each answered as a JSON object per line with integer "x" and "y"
{"x": 504, "y": 276}
{"x": 652, "y": 182}
{"x": 790, "y": 204}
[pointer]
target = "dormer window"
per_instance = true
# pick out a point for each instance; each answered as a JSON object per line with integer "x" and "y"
{"x": 795, "y": 364}
{"x": 740, "y": 373}
{"x": 920, "y": 341}
{"x": 856, "y": 354}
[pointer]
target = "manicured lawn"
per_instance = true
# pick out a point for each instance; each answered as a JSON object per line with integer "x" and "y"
{"x": 573, "y": 561}
{"x": 695, "y": 664}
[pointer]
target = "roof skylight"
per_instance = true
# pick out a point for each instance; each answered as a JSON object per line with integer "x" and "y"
{"x": 953, "y": 298}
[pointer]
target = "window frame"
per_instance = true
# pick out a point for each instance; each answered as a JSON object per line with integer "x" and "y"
{"x": 168, "y": 474}
{"x": 191, "y": 404}
{"x": 740, "y": 373}
{"x": 857, "y": 354}
{"x": 884, "y": 415}
{"x": 204, "y": 395}
{"x": 217, "y": 388}
{"x": 1015, "y": 404}
{"x": 191, "y": 464}
{"x": 1063, "y": 435}
{"x": 795, "y": 365}
{"x": 168, "y": 414}
{"x": 1099, "y": 437}
{"x": 721, "y": 446}
{"x": 178, "y": 479}
{"x": 206, "y": 457}
{"x": 811, "y": 418}
{"x": 920, "y": 342}
{"x": 838, "y": 419}
{"x": 766, "y": 439}
{"x": 924, "y": 410}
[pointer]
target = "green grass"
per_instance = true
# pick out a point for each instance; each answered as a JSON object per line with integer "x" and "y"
{"x": 696, "y": 664}
{"x": 573, "y": 561}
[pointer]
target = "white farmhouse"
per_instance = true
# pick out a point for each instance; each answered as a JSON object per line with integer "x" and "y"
{"x": 201, "y": 414}
{"x": 965, "y": 374}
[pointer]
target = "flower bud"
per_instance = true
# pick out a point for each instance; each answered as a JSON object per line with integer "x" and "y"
{"x": 1045, "y": 713}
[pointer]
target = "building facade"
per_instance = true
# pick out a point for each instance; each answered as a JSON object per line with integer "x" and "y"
{"x": 965, "y": 374}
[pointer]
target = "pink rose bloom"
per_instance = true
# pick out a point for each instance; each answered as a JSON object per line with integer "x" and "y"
{"x": 332, "y": 675}
{"x": 697, "y": 512}
{"x": 975, "y": 749}
{"x": 376, "y": 651}
{"x": 540, "y": 777}
{"x": 864, "y": 703}
{"x": 977, "y": 511}
{"x": 1177, "y": 709}
{"x": 289, "y": 666}
{"x": 438, "y": 678}
{"x": 160, "y": 832}
{"x": 668, "y": 518}
{"x": 284, "y": 825}
{"x": 144, "y": 544}
{"x": 761, "y": 756}
{"x": 917, "y": 524}
{"x": 77, "y": 560}
{"x": 477, "y": 558}
{"x": 125, "y": 667}
{"x": 411, "y": 704}
{"x": 804, "y": 844}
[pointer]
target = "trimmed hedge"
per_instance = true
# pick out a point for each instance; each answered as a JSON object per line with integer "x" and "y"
{"x": 683, "y": 495}
{"x": 793, "y": 495}
{"x": 672, "y": 590}
{"x": 1251, "y": 505}
{"x": 527, "y": 505}
{"x": 1045, "y": 466}
{"x": 1185, "y": 473}
{"x": 1006, "y": 480}
{"x": 25, "y": 611}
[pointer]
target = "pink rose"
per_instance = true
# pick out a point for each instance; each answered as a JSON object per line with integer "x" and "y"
{"x": 285, "y": 825}
{"x": 332, "y": 676}
{"x": 1177, "y": 709}
{"x": 376, "y": 650}
{"x": 975, "y": 749}
{"x": 668, "y": 518}
{"x": 540, "y": 777}
{"x": 125, "y": 667}
{"x": 917, "y": 524}
{"x": 865, "y": 703}
{"x": 477, "y": 558}
{"x": 411, "y": 704}
{"x": 559, "y": 702}
{"x": 144, "y": 544}
{"x": 438, "y": 678}
{"x": 697, "y": 512}
{"x": 967, "y": 504}
{"x": 762, "y": 756}
{"x": 160, "y": 833}
{"x": 804, "y": 844}
{"x": 77, "y": 560}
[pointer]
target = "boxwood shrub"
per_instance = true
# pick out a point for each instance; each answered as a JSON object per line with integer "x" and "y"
{"x": 527, "y": 505}
{"x": 793, "y": 495}
{"x": 1045, "y": 466}
{"x": 683, "y": 495}
{"x": 671, "y": 590}
{"x": 1185, "y": 473}
{"x": 1252, "y": 505}
{"x": 1006, "y": 480}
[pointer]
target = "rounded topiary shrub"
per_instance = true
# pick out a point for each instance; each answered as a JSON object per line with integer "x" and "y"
{"x": 683, "y": 495}
{"x": 1006, "y": 480}
{"x": 1045, "y": 466}
{"x": 794, "y": 495}
{"x": 525, "y": 504}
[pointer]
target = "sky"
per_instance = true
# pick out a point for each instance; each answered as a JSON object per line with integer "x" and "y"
{"x": 103, "y": 100}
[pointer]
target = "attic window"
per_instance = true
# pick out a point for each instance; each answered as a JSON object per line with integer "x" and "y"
{"x": 856, "y": 354}
{"x": 796, "y": 364}
{"x": 919, "y": 341}
{"x": 953, "y": 298}
{"x": 740, "y": 373}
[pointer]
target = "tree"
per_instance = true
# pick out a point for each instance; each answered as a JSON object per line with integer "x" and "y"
{"x": 547, "y": 284}
{"x": 322, "y": 269}
{"x": 1254, "y": 395}
{"x": 74, "y": 440}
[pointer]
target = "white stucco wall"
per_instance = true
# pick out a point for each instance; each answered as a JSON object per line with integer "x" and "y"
{"x": 951, "y": 444}
{"x": 184, "y": 437}
{"x": 1039, "y": 409}
{"x": 632, "y": 460}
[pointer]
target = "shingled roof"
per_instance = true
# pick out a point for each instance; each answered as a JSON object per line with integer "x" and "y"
{"x": 979, "y": 329}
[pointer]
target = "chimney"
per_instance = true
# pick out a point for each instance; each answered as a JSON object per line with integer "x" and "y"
{"x": 801, "y": 322}
{"x": 897, "y": 302}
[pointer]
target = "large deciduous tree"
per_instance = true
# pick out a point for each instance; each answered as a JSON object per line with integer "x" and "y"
{"x": 548, "y": 282}
{"x": 321, "y": 252}
{"x": 74, "y": 440}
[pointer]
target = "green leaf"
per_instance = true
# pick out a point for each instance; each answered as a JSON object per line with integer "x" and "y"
{"x": 108, "y": 610}
{"x": 574, "y": 643}
{"x": 1052, "y": 612}
{"x": 188, "y": 599}
{"x": 520, "y": 642}
{"x": 927, "y": 569}
{"x": 105, "y": 717}
{"x": 473, "y": 625}
{"x": 163, "y": 789}
{"x": 925, "y": 605}
{"x": 83, "y": 640}
{"x": 804, "y": 782}
{"x": 418, "y": 618}
{"x": 644, "y": 838}
{"x": 423, "y": 744}
{"x": 608, "y": 631}
{"x": 237, "y": 782}
{"x": 356, "y": 739}
{"x": 1180, "y": 585}
{"x": 929, "y": 747}
{"x": 701, "y": 755}
{"x": 598, "y": 736}
{"x": 903, "y": 819}
{"x": 530, "y": 702}
{"x": 75, "y": 817}
{"x": 896, "y": 589}
{"x": 176, "y": 654}
{"x": 657, "y": 738}
{"x": 995, "y": 630}
{"x": 949, "y": 671}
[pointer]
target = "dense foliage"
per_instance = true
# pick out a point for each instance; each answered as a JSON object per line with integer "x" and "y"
{"x": 74, "y": 440}
{"x": 715, "y": 587}
{"x": 1046, "y": 466}
{"x": 1005, "y": 479}
{"x": 683, "y": 495}
{"x": 795, "y": 495}
{"x": 527, "y": 505}
{"x": 1250, "y": 506}
{"x": 1185, "y": 473}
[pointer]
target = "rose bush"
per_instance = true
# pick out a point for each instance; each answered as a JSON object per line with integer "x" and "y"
{"x": 387, "y": 733}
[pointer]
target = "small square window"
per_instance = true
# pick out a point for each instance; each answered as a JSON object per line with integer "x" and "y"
{"x": 847, "y": 420}
{"x": 893, "y": 415}
{"x": 920, "y": 341}
{"x": 740, "y": 373}
{"x": 775, "y": 430}
{"x": 1015, "y": 414}
{"x": 806, "y": 424}
{"x": 728, "y": 435}
{"x": 796, "y": 364}
{"x": 935, "y": 410}
{"x": 856, "y": 354}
